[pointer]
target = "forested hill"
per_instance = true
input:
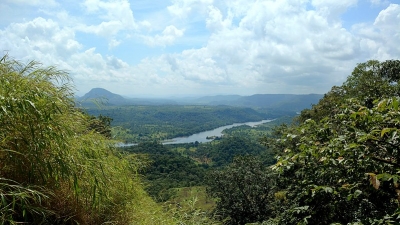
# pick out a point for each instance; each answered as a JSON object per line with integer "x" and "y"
{"x": 144, "y": 123}
{"x": 286, "y": 102}
{"x": 102, "y": 96}
{"x": 289, "y": 102}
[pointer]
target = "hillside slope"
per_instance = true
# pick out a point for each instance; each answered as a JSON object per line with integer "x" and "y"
{"x": 277, "y": 102}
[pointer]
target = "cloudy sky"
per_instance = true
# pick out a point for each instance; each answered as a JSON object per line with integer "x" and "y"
{"x": 202, "y": 47}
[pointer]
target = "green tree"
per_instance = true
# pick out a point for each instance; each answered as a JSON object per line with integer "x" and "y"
{"x": 369, "y": 81}
{"x": 167, "y": 170}
{"x": 242, "y": 191}
{"x": 340, "y": 164}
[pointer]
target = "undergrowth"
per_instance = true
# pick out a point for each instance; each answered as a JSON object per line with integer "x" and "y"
{"x": 55, "y": 168}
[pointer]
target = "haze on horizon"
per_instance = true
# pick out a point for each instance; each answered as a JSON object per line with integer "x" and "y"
{"x": 202, "y": 47}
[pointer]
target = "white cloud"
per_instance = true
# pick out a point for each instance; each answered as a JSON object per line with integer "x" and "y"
{"x": 114, "y": 43}
{"x": 167, "y": 37}
{"x": 215, "y": 21}
{"x": 242, "y": 46}
{"x": 105, "y": 29}
{"x": 278, "y": 46}
{"x": 40, "y": 39}
{"x": 333, "y": 8}
{"x": 380, "y": 39}
{"x": 274, "y": 43}
{"x": 183, "y": 8}
{"x": 115, "y": 16}
{"x": 389, "y": 18}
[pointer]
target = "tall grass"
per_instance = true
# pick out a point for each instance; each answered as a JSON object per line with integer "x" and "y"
{"x": 54, "y": 168}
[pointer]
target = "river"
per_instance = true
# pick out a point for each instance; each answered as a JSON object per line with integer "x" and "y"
{"x": 217, "y": 132}
{"x": 202, "y": 136}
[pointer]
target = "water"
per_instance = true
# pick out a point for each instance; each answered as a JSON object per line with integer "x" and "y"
{"x": 202, "y": 136}
{"x": 126, "y": 144}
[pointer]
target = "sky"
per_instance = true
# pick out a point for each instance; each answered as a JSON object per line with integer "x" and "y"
{"x": 165, "y": 48}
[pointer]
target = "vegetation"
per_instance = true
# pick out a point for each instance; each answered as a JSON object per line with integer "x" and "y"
{"x": 157, "y": 123}
{"x": 185, "y": 165}
{"x": 256, "y": 133}
{"x": 242, "y": 191}
{"x": 218, "y": 154}
{"x": 340, "y": 164}
{"x": 57, "y": 164}
{"x": 167, "y": 170}
{"x": 337, "y": 164}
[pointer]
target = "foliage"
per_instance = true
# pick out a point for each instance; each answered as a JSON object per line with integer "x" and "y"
{"x": 341, "y": 163}
{"x": 191, "y": 206}
{"x": 338, "y": 163}
{"x": 101, "y": 125}
{"x": 197, "y": 193}
{"x": 259, "y": 132}
{"x": 15, "y": 197}
{"x": 241, "y": 190}
{"x": 158, "y": 123}
{"x": 57, "y": 167}
{"x": 167, "y": 170}
{"x": 185, "y": 165}
{"x": 369, "y": 81}
{"x": 217, "y": 154}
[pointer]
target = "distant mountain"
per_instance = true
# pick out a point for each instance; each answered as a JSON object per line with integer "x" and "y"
{"x": 280, "y": 101}
{"x": 104, "y": 97}
{"x": 286, "y": 102}
{"x": 101, "y": 93}
{"x": 218, "y": 99}
{"x": 275, "y": 102}
{"x": 101, "y": 96}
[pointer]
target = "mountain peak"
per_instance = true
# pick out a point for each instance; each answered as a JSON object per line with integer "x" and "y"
{"x": 99, "y": 93}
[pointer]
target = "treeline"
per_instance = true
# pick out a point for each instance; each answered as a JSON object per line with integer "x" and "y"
{"x": 167, "y": 170}
{"x": 338, "y": 163}
{"x": 186, "y": 165}
{"x": 218, "y": 154}
{"x": 157, "y": 123}
{"x": 259, "y": 131}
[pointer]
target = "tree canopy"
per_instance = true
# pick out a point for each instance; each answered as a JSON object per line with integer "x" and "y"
{"x": 338, "y": 163}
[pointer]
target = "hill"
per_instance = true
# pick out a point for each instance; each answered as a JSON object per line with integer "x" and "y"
{"x": 158, "y": 123}
{"x": 103, "y": 95}
{"x": 107, "y": 98}
{"x": 276, "y": 102}
{"x": 287, "y": 102}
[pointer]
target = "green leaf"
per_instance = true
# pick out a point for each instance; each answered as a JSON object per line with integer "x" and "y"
{"x": 385, "y": 130}
{"x": 357, "y": 193}
{"x": 395, "y": 104}
{"x": 328, "y": 189}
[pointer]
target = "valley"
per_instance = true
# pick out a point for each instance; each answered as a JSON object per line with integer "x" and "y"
{"x": 179, "y": 145}
{"x": 135, "y": 121}
{"x": 314, "y": 164}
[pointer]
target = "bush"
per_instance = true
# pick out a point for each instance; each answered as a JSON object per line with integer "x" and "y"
{"x": 55, "y": 167}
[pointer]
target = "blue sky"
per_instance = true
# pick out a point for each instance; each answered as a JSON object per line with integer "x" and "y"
{"x": 166, "y": 48}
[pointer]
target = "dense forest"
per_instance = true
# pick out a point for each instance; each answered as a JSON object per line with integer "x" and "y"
{"x": 336, "y": 163}
{"x": 157, "y": 123}
{"x": 186, "y": 165}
